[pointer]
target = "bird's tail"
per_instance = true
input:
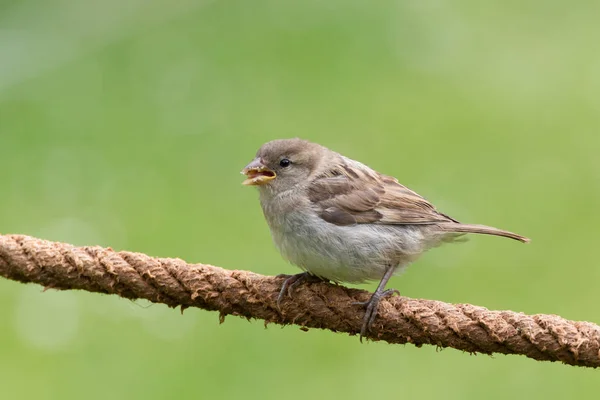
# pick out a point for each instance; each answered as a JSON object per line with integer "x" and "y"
{"x": 481, "y": 229}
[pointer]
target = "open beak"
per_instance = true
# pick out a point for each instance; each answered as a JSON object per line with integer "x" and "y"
{"x": 257, "y": 173}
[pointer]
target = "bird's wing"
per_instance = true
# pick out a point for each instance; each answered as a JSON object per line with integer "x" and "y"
{"x": 351, "y": 194}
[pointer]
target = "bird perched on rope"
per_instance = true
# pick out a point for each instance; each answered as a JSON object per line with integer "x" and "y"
{"x": 341, "y": 221}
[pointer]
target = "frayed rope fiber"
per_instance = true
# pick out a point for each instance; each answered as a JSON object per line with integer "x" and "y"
{"x": 313, "y": 305}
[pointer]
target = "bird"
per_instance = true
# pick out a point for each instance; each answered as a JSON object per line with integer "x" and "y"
{"x": 338, "y": 220}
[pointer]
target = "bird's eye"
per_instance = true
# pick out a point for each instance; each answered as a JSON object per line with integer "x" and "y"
{"x": 285, "y": 163}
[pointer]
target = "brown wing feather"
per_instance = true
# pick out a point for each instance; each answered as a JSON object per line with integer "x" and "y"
{"x": 348, "y": 196}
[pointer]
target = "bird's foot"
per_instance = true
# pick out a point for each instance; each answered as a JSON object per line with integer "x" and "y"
{"x": 291, "y": 282}
{"x": 371, "y": 311}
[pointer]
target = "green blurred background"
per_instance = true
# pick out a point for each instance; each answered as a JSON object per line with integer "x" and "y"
{"x": 126, "y": 123}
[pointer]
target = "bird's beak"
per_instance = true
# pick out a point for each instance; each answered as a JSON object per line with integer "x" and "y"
{"x": 257, "y": 173}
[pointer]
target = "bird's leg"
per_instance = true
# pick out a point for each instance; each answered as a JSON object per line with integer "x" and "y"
{"x": 373, "y": 302}
{"x": 291, "y": 282}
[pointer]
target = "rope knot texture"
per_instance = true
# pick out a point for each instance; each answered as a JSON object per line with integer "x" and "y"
{"x": 314, "y": 305}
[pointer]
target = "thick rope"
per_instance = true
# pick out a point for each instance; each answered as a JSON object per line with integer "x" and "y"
{"x": 313, "y": 305}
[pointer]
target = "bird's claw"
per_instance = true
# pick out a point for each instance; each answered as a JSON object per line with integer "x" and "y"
{"x": 291, "y": 282}
{"x": 371, "y": 311}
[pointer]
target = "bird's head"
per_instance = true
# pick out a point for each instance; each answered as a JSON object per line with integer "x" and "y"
{"x": 283, "y": 164}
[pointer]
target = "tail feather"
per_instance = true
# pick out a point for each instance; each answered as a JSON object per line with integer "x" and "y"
{"x": 481, "y": 229}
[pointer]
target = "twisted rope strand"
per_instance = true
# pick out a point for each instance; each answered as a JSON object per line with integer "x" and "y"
{"x": 314, "y": 305}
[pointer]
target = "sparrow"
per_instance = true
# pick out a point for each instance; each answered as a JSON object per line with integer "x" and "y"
{"x": 341, "y": 221}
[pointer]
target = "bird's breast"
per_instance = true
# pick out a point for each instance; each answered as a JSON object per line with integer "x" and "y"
{"x": 339, "y": 253}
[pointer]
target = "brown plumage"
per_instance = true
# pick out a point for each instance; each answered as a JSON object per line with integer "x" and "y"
{"x": 347, "y": 195}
